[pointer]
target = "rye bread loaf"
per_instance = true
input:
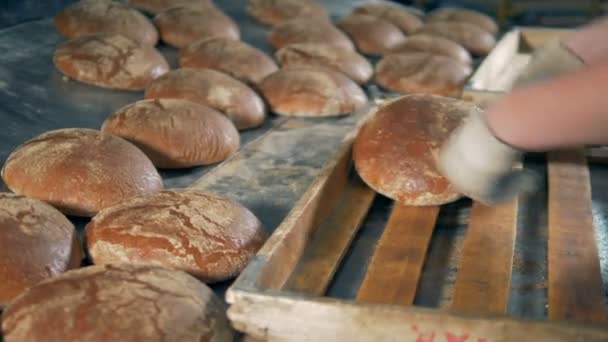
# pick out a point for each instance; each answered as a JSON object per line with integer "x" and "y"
{"x": 476, "y": 40}
{"x": 371, "y": 35}
{"x": 175, "y": 133}
{"x": 79, "y": 171}
{"x": 214, "y": 89}
{"x": 157, "y": 6}
{"x": 110, "y": 61}
{"x": 398, "y": 15}
{"x": 235, "y": 58}
{"x": 274, "y": 12}
{"x": 479, "y": 19}
{"x": 421, "y": 72}
{"x": 87, "y": 17}
{"x": 309, "y": 30}
{"x": 350, "y": 63}
{"x": 204, "y": 234}
{"x": 312, "y": 91}
{"x": 396, "y": 150}
{"x": 181, "y": 26}
{"x": 36, "y": 243}
{"x": 118, "y": 303}
{"x": 434, "y": 44}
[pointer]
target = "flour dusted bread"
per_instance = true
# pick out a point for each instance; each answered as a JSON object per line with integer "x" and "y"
{"x": 212, "y": 88}
{"x": 396, "y": 150}
{"x": 207, "y": 235}
{"x": 309, "y": 30}
{"x": 236, "y": 58}
{"x": 110, "y": 61}
{"x": 398, "y": 15}
{"x": 274, "y": 12}
{"x": 79, "y": 171}
{"x": 36, "y": 242}
{"x": 350, "y": 63}
{"x": 311, "y": 91}
{"x": 474, "y": 39}
{"x": 181, "y": 26}
{"x": 118, "y": 303}
{"x": 372, "y": 35}
{"x": 157, "y": 6}
{"x": 175, "y": 133}
{"x": 420, "y": 72}
{"x": 434, "y": 44}
{"x": 464, "y": 15}
{"x": 87, "y": 17}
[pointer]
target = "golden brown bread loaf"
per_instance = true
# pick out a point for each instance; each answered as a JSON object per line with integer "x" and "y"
{"x": 175, "y": 133}
{"x": 36, "y": 243}
{"x": 87, "y": 17}
{"x": 181, "y": 26}
{"x": 157, "y": 6}
{"x": 435, "y": 45}
{"x": 473, "y": 38}
{"x": 274, "y": 12}
{"x": 348, "y": 62}
{"x": 238, "y": 59}
{"x": 110, "y": 61}
{"x": 212, "y": 88}
{"x": 79, "y": 171}
{"x": 312, "y": 91}
{"x": 396, "y": 150}
{"x": 421, "y": 72}
{"x": 204, "y": 234}
{"x": 118, "y": 303}
{"x": 309, "y": 30}
{"x": 399, "y": 16}
{"x": 372, "y": 35}
{"x": 465, "y": 15}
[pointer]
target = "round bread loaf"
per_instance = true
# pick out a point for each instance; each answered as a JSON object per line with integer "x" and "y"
{"x": 435, "y": 45}
{"x": 110, "y": 61}
{"x": 473, "y": 38}
{"x": 157, "y": 6}
{"x": 87, "y": 17}
{"x": 312, "y": 91}
{"x": 274, "y": 12}
{"x": 36, "y": 243}
{"x": 181, "y": 26}
{"x": 175, "y": 133}
{"x": 350, "y": 63}
{"x": 398, "y": 15}
{"x": 309, "y": 30}
{"x": 420, "y": 72}
{"x": 204, "y": 234}
{"x": 238, "y": 59}
{"x": 118, "y": 303}
{"x": 212, "y": 88}
{"x": 79, "y": 171}
{"x": 396, "y": 150}
{"x": 465, "y": 15}
{"x": 372, "y": 35}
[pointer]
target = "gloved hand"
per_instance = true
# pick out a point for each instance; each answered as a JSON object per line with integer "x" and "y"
{"x": 550, "y": 60}
{"x": 481, "y": 166}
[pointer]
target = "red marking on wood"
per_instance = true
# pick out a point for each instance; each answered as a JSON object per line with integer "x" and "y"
{"x": 456, "y": 338}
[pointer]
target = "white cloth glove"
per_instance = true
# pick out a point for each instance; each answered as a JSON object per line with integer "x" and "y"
{"x": 481, "y": 166}
{"x": 550, "y": 60}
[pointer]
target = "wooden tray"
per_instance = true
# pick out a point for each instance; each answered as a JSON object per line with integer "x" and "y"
{"x": 281, "y": 294}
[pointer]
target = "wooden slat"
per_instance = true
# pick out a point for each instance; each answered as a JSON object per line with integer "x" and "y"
{"x": 484, "y": 276}
{"x": 279, "y": 317}
{"x": 319, "y": 263}
{"x": 575, "y": 284}
{"x": 393, "y": 274}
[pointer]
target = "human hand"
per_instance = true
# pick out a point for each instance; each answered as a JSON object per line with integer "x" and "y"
{"x": 481, "y": 166}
